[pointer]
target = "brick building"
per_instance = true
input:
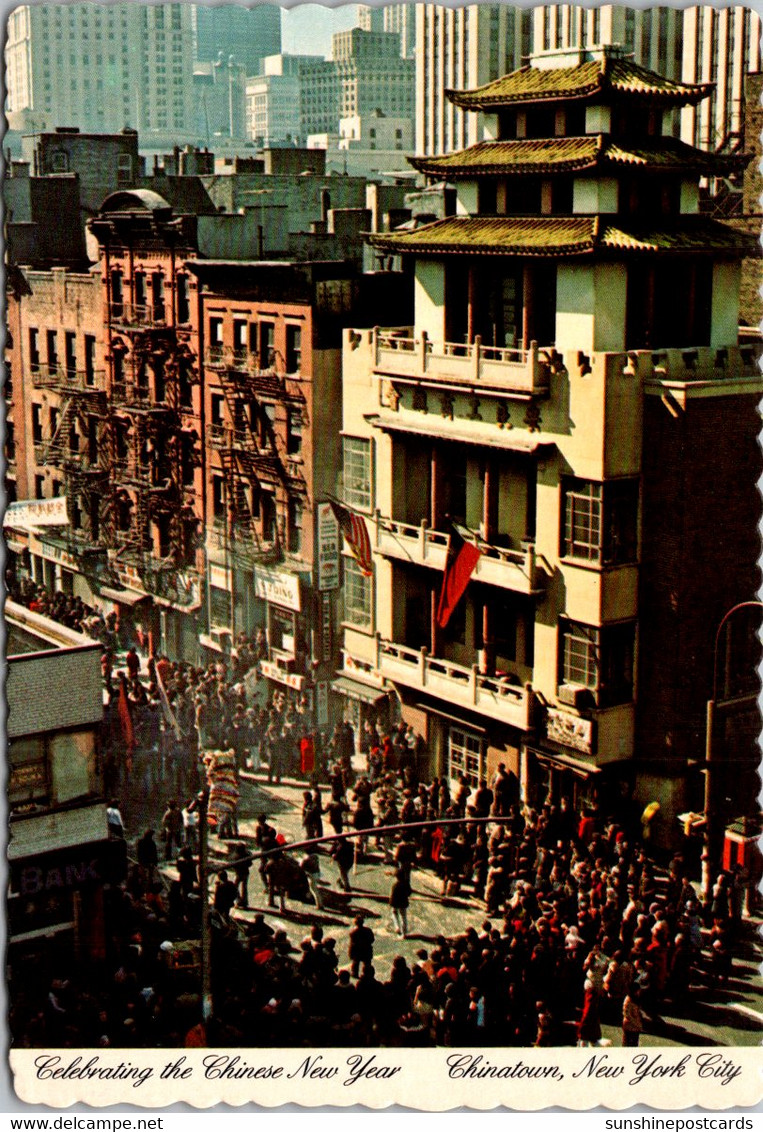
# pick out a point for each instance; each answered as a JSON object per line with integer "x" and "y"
{"x": 270, "y": 340}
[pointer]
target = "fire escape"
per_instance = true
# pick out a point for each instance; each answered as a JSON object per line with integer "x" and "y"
{"x": 253, "y": 455}
{"x": 154, "y": 529}
{"x": 77, "y": 445}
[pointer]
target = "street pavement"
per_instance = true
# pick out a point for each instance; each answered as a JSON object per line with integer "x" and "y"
{"x": 729, "y": 1016}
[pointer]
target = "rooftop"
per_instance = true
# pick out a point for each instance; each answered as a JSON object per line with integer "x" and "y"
{"x": 610, "y": 74}
{"x": 563, "y": 235}
{"x": 573, "y": 154}
{"x": 28, "y": 632}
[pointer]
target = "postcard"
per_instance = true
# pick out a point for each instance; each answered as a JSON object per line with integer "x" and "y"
{"x": 382, "y": 629}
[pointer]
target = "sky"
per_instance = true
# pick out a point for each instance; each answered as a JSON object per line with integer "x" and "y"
{"x": 306, "y": 29}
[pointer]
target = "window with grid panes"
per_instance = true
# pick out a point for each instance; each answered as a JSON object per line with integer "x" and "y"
{"x": 580, "y": 655}
{"x": 465, "y": 755}
{"x": 357, "y": 472}
{"x": 583, "y": 520}
{"x": 357, "y": 595}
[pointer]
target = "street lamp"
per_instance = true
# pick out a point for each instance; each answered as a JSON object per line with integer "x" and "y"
{"x": 710, "y": 807}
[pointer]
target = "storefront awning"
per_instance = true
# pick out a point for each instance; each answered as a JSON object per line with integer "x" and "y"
{"x": 356, "y": 690}
{"x": 565, "y": 762}
{"x": 122, "y": 596}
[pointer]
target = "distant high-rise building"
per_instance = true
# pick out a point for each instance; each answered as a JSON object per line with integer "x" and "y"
{"x": 296, "y": 95}
{"x": 470, "y": 46}
{"x": 100, "y": 67}
{"x": 400, "y": 18}
{"x": 372, "y": 74}
{"x": 248, "y": 34}
{"x": 460, "y": 48}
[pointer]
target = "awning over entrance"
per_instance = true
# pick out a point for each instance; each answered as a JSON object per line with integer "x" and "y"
{"x": 356, "y": 690}
{"x": 122, "y": 596}
{"x": 559, "y": 761}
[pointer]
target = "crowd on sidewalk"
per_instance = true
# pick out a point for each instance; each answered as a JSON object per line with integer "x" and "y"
{"x": 580, "y": 928}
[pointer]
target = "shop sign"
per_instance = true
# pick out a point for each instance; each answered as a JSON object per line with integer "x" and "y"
{"x": 55, "y": 554}
{"x": 25, "y": 513}
{"x": 322, "y": 704}
{"x": 219, "y": 577}
{"x": 328, "y": 548}
{"x": 68, "y": 869}
{"x": 569, "y": 730}
{"x": 281, "y": 676}
{"x": 277, "y": 587}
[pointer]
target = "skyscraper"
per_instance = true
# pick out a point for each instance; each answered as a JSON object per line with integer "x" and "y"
{"x": 100, "y": 67}
{"x": 248, "y": 34}
{"x": 473, "y": 45}
{"x": 456, "y": 49}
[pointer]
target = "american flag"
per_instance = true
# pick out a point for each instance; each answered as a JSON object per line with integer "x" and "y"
{"x": 355, "y": 531}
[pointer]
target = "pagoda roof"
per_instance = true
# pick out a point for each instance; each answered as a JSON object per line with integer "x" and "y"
{"x": 561, "y": 236}
{"x": 609, "y": 75}
{"x": 573, "y": 154}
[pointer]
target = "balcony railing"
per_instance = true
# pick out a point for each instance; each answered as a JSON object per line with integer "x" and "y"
{"x": 498, "y": 566}
{"x": 139, "y": 314}
{"x": 68, "y": 379}
{"x": 396, "y": 354}
{"x": 493, "y": 696}
{"x": 229, "y": 357}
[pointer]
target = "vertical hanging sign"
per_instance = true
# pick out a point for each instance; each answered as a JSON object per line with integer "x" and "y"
{"x": 328, "y": 548}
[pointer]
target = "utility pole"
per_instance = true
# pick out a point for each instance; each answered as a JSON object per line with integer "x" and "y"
{"x": 206, "y": 957}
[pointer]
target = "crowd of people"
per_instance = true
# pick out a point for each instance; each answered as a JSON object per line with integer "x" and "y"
{"x": 579, "y": 928}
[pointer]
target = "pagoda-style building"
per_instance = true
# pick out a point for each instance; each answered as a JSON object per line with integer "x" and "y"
{"x": 574, "y": 392}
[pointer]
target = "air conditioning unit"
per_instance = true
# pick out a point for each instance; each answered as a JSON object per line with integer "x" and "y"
{"x": 572, "y": 695}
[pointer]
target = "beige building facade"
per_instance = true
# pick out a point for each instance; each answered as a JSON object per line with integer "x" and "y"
{"x": 553, "y": 365}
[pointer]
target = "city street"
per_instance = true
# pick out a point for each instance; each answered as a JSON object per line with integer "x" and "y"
{"x": 729, "y": 1016}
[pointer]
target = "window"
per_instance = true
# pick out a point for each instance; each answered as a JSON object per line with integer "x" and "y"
{"x": 293, "y": 348}
{"x": 34, "y": 349}
{"x": 465, "y": 755}
{"x": 217, "y": 409}
{"x": 89, "y": 359}
{"x": 218, "y": 497}
{"x": 579, "y": 661}
{"x": 601, "y": 521}
{"x": 70, "y": 348}
{"x": 357, "y": 472}
{"x": 52, "y": 339}
{"x": 240, "y": 328}
{"x": 36, "y": 422}
{"x": 116, "y": 293}
{"x": 183, "y": 304}
{"x": 582, "y": 520}
{"x": 293, "y": 432}
{"x": 357, "y": 595}
{"x": 600, "y": 660}
{"x": 267, "y": 332}
{"x": 295, "y": 527}
{"x": 28, "y": 778}
{"x": 215, "y": 337}
{"x": 39, "y": 487}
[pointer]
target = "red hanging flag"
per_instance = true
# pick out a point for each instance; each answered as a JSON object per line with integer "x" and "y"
{"x": 355, "y": 531}
{"x": 459, "y": 566}
{"x": 307, "y": 754}
{"x": 125, "y": 718}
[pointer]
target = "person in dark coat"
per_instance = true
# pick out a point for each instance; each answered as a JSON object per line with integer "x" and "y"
{"x": 399, "y": 899}
{"x": 361, "y": 946}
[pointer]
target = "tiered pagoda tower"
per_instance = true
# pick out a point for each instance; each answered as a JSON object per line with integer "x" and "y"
{"x": 574, "y": 392}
